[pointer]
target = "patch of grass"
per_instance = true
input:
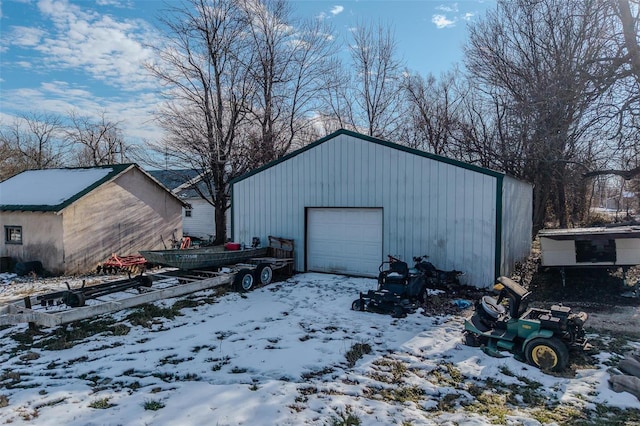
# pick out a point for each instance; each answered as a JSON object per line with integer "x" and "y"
{"x": 105, "y": 347}
{"x": 153, "y": 405}
{"x": 446, "y": 374}
{"x": 389, "y": 371}
{"x": 345, "y": 418}
{"x": 10, "y": 379}
{"x": 146, "y": 315}
{"x": 492, "y": 405}
{"x": 448, "y": 402}
{"x": 317, "y": 373}
{"x": 101, "y": 404}
{"x": 198, "y": 348}
{"x": 357, "y": 351}
{"x": 29, "y": 356}
{"x": 185, "y": 303}
{"x": 173, "y": 360}
{"x": 4, "y": 401}
{"x": 67, "y": 336}
{"x": 238, "y": 370}
{"x": 219, "y": 362}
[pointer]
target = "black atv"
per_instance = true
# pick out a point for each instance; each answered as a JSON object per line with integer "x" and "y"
{"x": 400, "y": 288}
{"x": 543, "y": 337}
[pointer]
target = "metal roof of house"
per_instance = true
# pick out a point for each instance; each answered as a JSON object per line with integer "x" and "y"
{"x": 53, "y": 190}
{"x": 181, "y": 182}
{"x": 379, "y": 142}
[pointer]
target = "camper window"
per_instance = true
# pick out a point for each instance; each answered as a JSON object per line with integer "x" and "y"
{"x": 594, "y": 251}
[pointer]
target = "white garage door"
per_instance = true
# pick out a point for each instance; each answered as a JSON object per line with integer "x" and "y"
{"x": 344, "y": 241}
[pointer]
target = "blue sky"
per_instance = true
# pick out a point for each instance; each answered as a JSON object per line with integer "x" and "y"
{"x": 86, "y": 56}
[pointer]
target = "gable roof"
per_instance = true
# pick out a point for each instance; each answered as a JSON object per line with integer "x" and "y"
{"x": 181, "y": 182}
{"x": 52, "y": 190}
{"x": 376, "y": 141}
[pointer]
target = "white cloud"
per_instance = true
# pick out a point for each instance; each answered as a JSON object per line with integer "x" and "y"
{"x": 468, "y": 16}
{"x": 442, "y": 21}
{"x": 109, "y": 50}
{"x": 336, "y": 10}
{"x": 24, "y": 64}
{"x": 116, "y": 3}
{"x": 25, "y": 36}
{"x": 451, "y": 8}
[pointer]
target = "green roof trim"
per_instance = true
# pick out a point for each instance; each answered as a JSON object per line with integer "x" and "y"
{"x": 373, "y": 140}
{"x": 117, "y": 170}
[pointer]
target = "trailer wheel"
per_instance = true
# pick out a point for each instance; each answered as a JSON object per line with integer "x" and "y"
{"x": 263, "y": 273}
{"x": 74, "y": 299}
{"x": 243, "y": 280}
{"x": 547, "y": 354}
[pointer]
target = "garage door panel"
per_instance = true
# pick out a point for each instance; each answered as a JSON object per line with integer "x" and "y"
{"x": 347, "y": 241}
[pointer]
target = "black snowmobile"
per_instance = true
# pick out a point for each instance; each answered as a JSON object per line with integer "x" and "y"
{"x": 401, "y": 289}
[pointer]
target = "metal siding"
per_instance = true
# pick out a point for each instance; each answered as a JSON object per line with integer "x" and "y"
{"x": 429, "y": 207}
{"x": 517, "y": 214}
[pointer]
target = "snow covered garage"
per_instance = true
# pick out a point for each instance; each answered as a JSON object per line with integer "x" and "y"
{"x": 348, "y": 200}
{"x": 72, "y": 219}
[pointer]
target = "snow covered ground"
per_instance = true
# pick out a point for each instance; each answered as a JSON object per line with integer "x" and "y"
{"x": 284, "y": 354}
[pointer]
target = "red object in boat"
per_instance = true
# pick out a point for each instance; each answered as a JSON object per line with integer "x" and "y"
{"x": 232, "y": 246}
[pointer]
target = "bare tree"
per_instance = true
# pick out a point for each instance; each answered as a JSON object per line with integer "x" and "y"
{"x": 32, "y": 141}
{"x": 98, "y": 142}
{"x": 366, "y": 96}
{"x": 203, "y": 67}
{"x": 432, "y": 111}
{"x": 289, "y": 59}
{"x": 535, "y": 60}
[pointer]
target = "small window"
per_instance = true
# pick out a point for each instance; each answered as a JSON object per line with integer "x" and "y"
{"x": 13, "y": 234}
{"x": 594, "y": 251}
{"x": 187, "y": 213}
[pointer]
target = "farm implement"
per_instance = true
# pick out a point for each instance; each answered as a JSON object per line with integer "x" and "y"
{"x": 118, "y": 264}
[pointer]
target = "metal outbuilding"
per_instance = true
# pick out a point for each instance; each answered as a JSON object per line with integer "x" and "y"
{"x": 348, "y": 200}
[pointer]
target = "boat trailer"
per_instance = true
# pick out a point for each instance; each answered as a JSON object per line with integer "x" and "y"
{"x": 74, "y": 304}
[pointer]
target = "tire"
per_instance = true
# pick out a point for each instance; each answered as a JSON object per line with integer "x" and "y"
{"x": 357, "y": 305}
{"x": 145, "y": 281}
{"x": 263, "y": 274}
{"x": 472, "y": 339}
{"x": 74, "y": 299}
{"x": 244, "y": 280}
{"x": 547, "y": 354}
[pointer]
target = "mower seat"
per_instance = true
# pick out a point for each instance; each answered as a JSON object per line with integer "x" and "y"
{"x": 492, "y": 307}
{"x": 397, "y": 273}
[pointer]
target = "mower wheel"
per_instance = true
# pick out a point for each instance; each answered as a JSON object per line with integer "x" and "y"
{"x": 473, "y": 340}
{"x": 243, "y": 280}
{"x": 357, "y": 305}
{"x": 547, "y": 354}
{"x": 263, "y": 273}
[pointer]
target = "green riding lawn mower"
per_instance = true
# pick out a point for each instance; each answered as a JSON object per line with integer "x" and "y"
{"x": 544, "y": 338}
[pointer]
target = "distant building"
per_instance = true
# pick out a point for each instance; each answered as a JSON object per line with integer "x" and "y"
{"x": 72, "y": 219}
{"x": 198, "y": 215}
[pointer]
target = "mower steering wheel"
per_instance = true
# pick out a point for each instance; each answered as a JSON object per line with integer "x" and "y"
{"x": 393, "y": 259}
